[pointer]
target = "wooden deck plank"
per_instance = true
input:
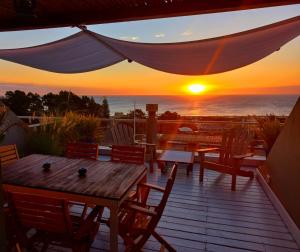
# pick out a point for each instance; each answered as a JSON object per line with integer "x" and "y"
{"x": 210, "y": 217}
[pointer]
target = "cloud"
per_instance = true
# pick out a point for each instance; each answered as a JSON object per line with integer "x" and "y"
{"x": 159, "y": 35}
{"x": 132, "y": 38}
{"x": 186, "y": 33}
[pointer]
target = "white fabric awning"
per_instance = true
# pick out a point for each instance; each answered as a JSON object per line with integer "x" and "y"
{"x": 87, "y": 51}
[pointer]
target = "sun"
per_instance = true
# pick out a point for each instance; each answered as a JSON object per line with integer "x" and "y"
{"x": 196, "y": 88}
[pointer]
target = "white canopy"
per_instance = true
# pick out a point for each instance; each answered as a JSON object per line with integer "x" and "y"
{"x": 87, "y": 51}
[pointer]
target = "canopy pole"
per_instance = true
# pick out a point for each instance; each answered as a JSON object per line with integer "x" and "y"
{"x": 91, "y": 34}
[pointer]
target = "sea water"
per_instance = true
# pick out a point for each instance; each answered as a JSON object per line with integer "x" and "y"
{"x": 229, "y": 105}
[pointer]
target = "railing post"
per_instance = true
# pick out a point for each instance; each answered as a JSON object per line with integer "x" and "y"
{"x": 151, "y": 132}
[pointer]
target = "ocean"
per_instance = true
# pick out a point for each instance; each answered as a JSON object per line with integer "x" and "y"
{"x": 229, "y": 105}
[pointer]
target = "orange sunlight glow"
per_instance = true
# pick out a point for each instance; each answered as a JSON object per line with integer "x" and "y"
{"x": 196, "y": 88}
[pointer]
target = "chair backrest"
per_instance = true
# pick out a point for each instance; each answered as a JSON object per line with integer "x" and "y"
{"x": 167, "y": 191}
{"x": 39, "y": 212}
{"x": 122, "y": 134}
{"x": 234, "y": 142}
{"x": 159, "y": 211}
{"x": 8, "y": 154}
{"x": 128, "y": 154}
{"x": 82, "y": 150}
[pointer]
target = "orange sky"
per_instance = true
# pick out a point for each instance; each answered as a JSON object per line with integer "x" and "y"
{"x": 281, "y": 71}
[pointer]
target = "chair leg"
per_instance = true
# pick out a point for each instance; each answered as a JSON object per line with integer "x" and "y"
{"x": 189, "y": 168}
{"x": 163, "y": 242}
{"x": 233, "y": 182}
{"x": 162, "y": 248}
{"x": 45, "y": 247}
{"x": 201, "y": 175}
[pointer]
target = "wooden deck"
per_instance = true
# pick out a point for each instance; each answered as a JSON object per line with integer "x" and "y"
{"x": 210, "y": 217}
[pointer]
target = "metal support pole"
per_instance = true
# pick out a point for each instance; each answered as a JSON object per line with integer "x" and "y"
{"x": 151, "y": 132}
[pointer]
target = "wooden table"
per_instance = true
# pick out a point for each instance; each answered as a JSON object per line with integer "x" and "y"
{"x": 106, "y": 183}
{"x": 181, "y": 157}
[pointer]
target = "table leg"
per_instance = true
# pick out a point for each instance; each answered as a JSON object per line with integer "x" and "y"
{"x": 161, "y": 165}
{"x": 114, "y": 225}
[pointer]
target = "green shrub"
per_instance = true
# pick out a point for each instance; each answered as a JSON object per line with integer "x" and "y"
{"x": 44, "y": 144}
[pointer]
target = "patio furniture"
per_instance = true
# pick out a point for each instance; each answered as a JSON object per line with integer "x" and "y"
{"x": 85, "y": 151}
{"x": 138, "y": 220}
{"x": 131, "y": 155}
{"x": 233, "y": 150}
{"x": 52, "y": 221}
{"x": 123, "y": 134}
{"x": 128, "y": 154}
{"x": 174, "y": 156}
{"x": 106, "y": 183}
{"x": 8, "y": 154}
{"x": 82, "y": 150}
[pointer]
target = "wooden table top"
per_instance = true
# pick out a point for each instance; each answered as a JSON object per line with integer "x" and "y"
{"x": 186, "y": 157}
{"x": 103, "y": 179}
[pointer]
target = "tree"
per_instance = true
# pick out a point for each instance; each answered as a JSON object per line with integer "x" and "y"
{"x": 139, "y": 114}
{"x": 17, "y": 101}
{"x": 105, "y": 108}
{"x": 50, "y": 102}
{"x": 169, "y": 116}
{"x": 35, "y": 104}
{"x": 56, "y": 104}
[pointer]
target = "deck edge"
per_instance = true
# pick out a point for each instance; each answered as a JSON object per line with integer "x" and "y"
{"x": 291, "y": 225}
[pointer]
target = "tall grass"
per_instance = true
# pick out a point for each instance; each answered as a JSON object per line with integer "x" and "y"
{"x": 269, "y": 129}
{"x": 54, "y": 133}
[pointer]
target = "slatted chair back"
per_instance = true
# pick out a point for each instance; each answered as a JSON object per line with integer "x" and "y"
{"x": 42, "y": 213}
{"x": 128, "y": 154}
{"x": 122, "y": 134}
{"x": 82, "y": 150}
{"x": 167, "y": 192}
{"x": 8, "y": 154}
{"x": 234, "y": 142}
{"x": 148, "y": 230}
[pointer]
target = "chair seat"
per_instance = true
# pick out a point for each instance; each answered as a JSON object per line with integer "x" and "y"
{"x": 233, "y": 150}
{"x": 52, "y": 222}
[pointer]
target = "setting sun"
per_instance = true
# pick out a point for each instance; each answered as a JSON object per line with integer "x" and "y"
{"x": 196, "y": 88}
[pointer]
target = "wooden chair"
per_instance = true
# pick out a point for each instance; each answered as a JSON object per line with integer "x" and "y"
{"x": 131, "y": 155}
{"x": 85, "y": 151}
{"x": 52, "y": 222}
{"x": 138, "y": 220}
{"x": 82, "y": 150}
{"x": 128, "y": 154}
{"x": 8, "y": 154}
{"x": 122, "y": 134}
{"x": 233, "y": 150}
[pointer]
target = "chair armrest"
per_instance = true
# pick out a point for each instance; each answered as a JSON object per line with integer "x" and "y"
{"x": 204, "y": 150}
{"x": 140, "y": 209}
{"x": 154, "y": 187}
{"x": 140, "y": 134}
{"x": 238, "y": 157}
{"x": 144, "y": 143}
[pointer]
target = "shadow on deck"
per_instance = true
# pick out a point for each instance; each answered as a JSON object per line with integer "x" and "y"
{"x": 210, "y": 217}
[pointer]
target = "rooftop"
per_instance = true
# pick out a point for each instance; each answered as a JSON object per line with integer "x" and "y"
{"x": 210, "y": 217}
